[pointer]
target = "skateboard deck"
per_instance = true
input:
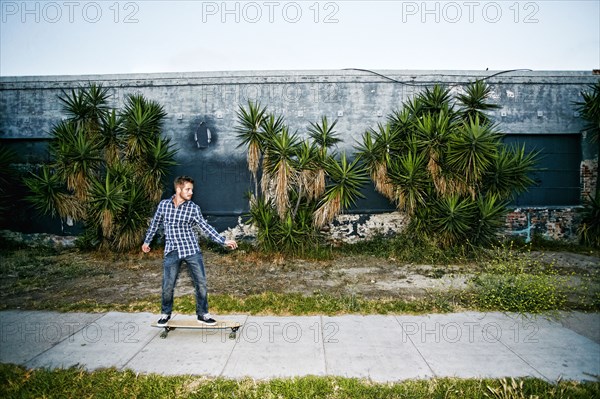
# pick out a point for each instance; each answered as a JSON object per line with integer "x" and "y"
{"x": 193, "y": 324}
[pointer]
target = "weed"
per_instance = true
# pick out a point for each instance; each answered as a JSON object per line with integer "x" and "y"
{"x": 516, "y": 282}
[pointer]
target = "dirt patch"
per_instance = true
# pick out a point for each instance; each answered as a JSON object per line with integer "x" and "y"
{"x": 31, "y": 278}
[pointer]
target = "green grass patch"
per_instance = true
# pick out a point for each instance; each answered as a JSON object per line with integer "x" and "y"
{"x": 408, "y": 248}
{"x": 271, "y": 303}
{"x": 319, "y": 303}
{"x": 18, "y": 382}
{"x": 514, "y": 281}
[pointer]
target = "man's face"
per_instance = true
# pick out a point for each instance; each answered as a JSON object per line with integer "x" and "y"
{"x": 186, "y": 191}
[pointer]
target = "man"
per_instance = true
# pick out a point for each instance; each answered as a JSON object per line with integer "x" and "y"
{"x": 179, "y": 216}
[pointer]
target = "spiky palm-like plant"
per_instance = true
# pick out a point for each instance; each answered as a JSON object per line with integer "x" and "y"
{"x": 49, "y": 195}
{"x": 158, "y": 159}
{"x": 434, "y": 100}
{"x": 475, "y": 101}
{"x": 108, "y": 167}
{"x": 142, "y": 120}
{"x": 270, "y": 128}
{"x": 77, "y": 156}
{"x": 264, "y": 216}
{"x": 280, "y": 152}
{"x": 306, "y": 165}
{"x": 433, "y": 132}
{"x": 472, "y": 150}
{"x": 324, "y": 137}
{"x": 133, "y": 218}
{"x": 106, "y": 201}
{"x": 510, "y": 172}
{"x": 410, "y": 181}
{"x": 452, "y": 218}
{"x": 347, "y": 179}
{"x": 250, "y": 135}
{"x": 376, "y": 152}
{"x": 589, "y": 110}
{"x": 111, "y": 135}
{"x": 442, "y": 163}
{"x": 488, "y": 220}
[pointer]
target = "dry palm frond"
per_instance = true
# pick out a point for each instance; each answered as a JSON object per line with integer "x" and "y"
{"x": 266, "y": 185}
{"x": 106, "y": 219}
{"x": 327, "y": 212}
{"x": 79, "y": 184}
{"x": 70, "y": 206}
{"x": 318, "y": 188}
{"x": 282, "y": 180}
{"x": 253, "y": 158}
{"x": 380, "y": 178}
{"x": 306, "y": 182}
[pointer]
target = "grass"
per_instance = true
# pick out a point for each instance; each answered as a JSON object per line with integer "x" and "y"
{"x": 514, "y": 281}
{"x": 507, "y": 279}
{"x": 272, "y": 303}
{"x": 18, "y": 382}
{"x": 408, "y": 249}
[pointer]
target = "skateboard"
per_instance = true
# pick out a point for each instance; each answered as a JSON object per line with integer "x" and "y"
{"x": 193, "y": 324}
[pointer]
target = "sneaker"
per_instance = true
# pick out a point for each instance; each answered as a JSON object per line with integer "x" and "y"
{"x": 164, "y": 318}
{"x": 207, "y": 319}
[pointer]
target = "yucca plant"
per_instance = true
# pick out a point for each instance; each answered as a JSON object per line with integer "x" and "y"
{"x": 446, "y": 167}
{"x": 488, "y": 220}
{"x": 410, "y": 181}
{"x": 49, "y": 195}
{"x": 264, "y": 216}
{"x": 296, "y": 172}
{"x": 271, "y": 127}
{"x": 132, "y": 218}
{"x": 280, "y": 151}
{"x": 475, "y": 102}
{"x": 250, "y": 135}
{"x": 142, "y": 120}
{"x": 324, "y": 138}
{"x": 434, "y": 101}
{"x": 111, "y": 135}
{"x": 589, "y": 229}
{"x": 452, "y": 218}
{"x": 589, "y": 110}
{"x": 471, "y": 150}
{"x": 77, "y": 157}
{"x": 510, "y": 172}
{"x": 107, "y": 199}
{"x": 159, "y": 157}
{"x": 376, "y": 153}
{"x": 306, "y": 166}
{"x": 347, "y": 179}
{"x": 433, "y": 133}
{"x": 107, "y": 167}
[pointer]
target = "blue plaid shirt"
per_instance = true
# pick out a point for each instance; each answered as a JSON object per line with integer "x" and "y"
{"x": 179, "y": 223}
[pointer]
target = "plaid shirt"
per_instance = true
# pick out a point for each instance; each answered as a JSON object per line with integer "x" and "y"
{"x": 179, "y": 223}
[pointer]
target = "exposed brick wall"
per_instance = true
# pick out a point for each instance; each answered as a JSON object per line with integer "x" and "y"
{"x": 551, "y": 223}
{"x": 589, "y": 177}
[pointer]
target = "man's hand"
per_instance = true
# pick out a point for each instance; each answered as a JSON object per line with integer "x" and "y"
{"x": 231, "y": 244}
{"x": 145, "y": 248}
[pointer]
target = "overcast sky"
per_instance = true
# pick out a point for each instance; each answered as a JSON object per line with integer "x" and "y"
{"x": 66, "y": 37}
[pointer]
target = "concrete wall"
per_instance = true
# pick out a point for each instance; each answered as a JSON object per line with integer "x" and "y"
{"x": 531, "y": 102}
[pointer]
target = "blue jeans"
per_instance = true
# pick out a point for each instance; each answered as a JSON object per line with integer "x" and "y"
{"x": 171, "y": 264}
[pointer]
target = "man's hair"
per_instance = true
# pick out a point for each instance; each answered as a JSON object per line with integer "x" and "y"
{"x": 181, "y": 180}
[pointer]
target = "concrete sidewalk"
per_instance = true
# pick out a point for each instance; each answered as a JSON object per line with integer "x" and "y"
{"x": 380, "y": 348}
